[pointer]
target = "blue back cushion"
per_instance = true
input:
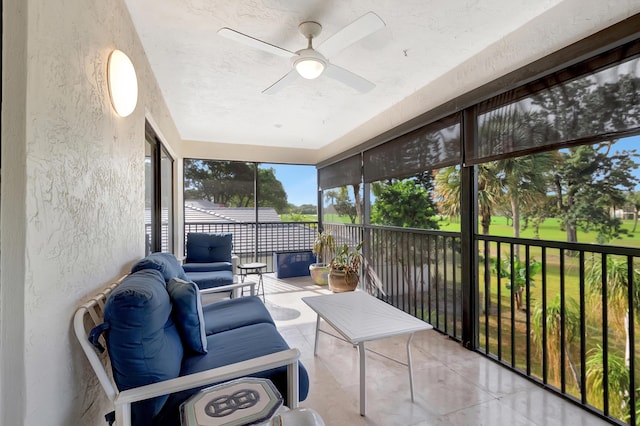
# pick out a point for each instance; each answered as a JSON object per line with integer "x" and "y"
{"x": 143, "y": 342}
{"x": 187, "y": 314}
{"x": 166, "y": 263}
{"x": 202, "y": 247}
{"x": 234, "y": 313}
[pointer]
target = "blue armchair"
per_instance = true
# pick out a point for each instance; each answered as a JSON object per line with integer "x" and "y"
{"x": 209, "y": 262}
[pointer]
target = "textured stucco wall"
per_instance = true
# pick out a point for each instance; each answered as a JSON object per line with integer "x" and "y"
{"x": 82, "y": 212}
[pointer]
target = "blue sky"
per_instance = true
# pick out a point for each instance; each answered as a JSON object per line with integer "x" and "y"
{"x": 628, "y": 144}
{"x": 300, "y": 182}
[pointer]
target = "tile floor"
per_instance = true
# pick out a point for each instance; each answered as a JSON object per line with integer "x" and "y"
{"x": 453, "y": 386}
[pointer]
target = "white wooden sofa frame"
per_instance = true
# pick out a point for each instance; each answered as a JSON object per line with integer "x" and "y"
{"x": 90, "y": 314}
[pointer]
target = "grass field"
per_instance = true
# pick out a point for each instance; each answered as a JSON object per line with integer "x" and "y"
{"x": 550, "y": 230}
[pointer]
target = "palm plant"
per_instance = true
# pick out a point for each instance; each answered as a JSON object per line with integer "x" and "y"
{"x": 552, "y": 317}
{"x": 324, "y": 247}
{"x": 516, "y": 275}
{"x": 617, "y": 292}
{"x": 617, "y": 378}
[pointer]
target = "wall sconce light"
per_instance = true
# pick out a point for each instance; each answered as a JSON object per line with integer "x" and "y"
{"x": 123, "y": 83}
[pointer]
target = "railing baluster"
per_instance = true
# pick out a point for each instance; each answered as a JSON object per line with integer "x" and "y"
{"x": 527, "y": 254}
{"x": 445, "y": 284}
{"x": 512, "y": 275}
{"x": 583, "y": 335}
{"x": 487, "y": 293}
{"x": 455, "y": 287}
{"x": 605, "y": 339}
{"x": 545, "y": 352}
{"x": 631, "y": 308}
{"x": 563, "y": 378}
{"x": 499, "y": 307}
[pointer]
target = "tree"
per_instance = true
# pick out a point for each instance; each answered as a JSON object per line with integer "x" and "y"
{"x": 231, "y": 184}
{"x": 489, "y": 191}
{"x": 448, "y": 191}
{"x": 342, "y": 203}
{"x": 616, "y": 289}
{"x": 520, "y": 278}
{"x": 525, "y": 182}
{"x": 590, "y": 182}
{"x": 227, "y": 183}
{"x": 617, "y": 292}
{"x": 535, "y": 213}
{"x": 617, "y": 378}
{"x": 405, "y": 203}
{"x": 633, "y": 199}
{"x": 271, "y": 193}
{"x": 553, "y": 319}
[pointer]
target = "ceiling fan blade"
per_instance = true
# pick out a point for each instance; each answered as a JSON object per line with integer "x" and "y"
{"x": 357, "y": 30}
{"x": 287, "y": 79}
{"x": 254, "y": 42}
{"x": 361, "y": 84}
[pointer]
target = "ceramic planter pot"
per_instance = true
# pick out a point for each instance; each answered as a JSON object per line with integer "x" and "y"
{"x": 340, "y": 281}
{"x": 319, "y": 273}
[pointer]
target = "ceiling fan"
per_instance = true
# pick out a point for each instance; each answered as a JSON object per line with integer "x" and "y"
{"x": 310, "y": 63}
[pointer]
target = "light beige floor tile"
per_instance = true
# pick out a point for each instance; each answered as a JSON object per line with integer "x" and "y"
{"x": 453, "y": 386}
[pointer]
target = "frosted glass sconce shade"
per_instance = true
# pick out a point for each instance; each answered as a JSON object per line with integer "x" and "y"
{"x": 123, "y": 83}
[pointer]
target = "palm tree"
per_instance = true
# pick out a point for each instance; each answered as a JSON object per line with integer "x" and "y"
{"x": 525, "y": 182}
{"x": 617, "y": 291}
{"x": 448, "y": 190}
{"x": 552, "y": 317}
{"x": 448, "y": 186}
{"x": 633, "y": 198}
{"x": 617, "y": 377}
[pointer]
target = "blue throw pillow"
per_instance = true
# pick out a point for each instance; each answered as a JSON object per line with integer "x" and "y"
{"x": 187, "y": 314}
{"x": 166, "y": 263}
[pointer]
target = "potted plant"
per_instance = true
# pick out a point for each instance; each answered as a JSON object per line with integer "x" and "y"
{"x": 344, "y": 272}
{"x": 324, "y": 248}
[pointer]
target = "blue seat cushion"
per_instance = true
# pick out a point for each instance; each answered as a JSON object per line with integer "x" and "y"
{"x": 187, "y": 314}
{"x": 207, "y": 248}
{"x": 163, "y": 262}
{"x": 143, "y": 342}
{"x": 229, "y": 347}
{"x": 210, "y": 279}
{"x": 234, "y": 313}
{"x": 210, "y": 266}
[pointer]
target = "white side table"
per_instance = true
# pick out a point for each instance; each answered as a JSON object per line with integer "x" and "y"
{"x": 248, "y": 400}
{"x": 255, "y": 268}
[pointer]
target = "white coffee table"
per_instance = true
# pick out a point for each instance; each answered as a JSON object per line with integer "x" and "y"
{"x": 360, "y": 318}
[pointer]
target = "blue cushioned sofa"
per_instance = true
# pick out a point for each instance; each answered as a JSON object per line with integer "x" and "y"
{"x": 209, "y": 262}
{"x": 164, "y": 345}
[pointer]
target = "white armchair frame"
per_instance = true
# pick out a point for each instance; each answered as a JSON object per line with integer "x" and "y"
{"x": 90, "y": 314}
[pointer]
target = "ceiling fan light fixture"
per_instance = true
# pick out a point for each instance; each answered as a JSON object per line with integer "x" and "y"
{"x": 309, "y": 68}
{"x": 309, "y": 64}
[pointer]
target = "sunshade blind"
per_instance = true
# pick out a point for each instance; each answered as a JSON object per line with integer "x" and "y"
{"x": 597, "y": 100}
{"x": 430, "y": 147}
{"x": 344, "y": 172}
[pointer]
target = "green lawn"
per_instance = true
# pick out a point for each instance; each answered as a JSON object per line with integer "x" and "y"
{"x": 551, "y": 230}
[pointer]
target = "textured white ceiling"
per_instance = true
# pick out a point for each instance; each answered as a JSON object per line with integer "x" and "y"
{"x": 213, "y": 85}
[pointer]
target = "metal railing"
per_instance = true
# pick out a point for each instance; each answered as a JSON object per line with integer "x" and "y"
{"x": 562, "y": 314}
{"x": 415, "y": 270}
{"x": 257, "y": 242}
